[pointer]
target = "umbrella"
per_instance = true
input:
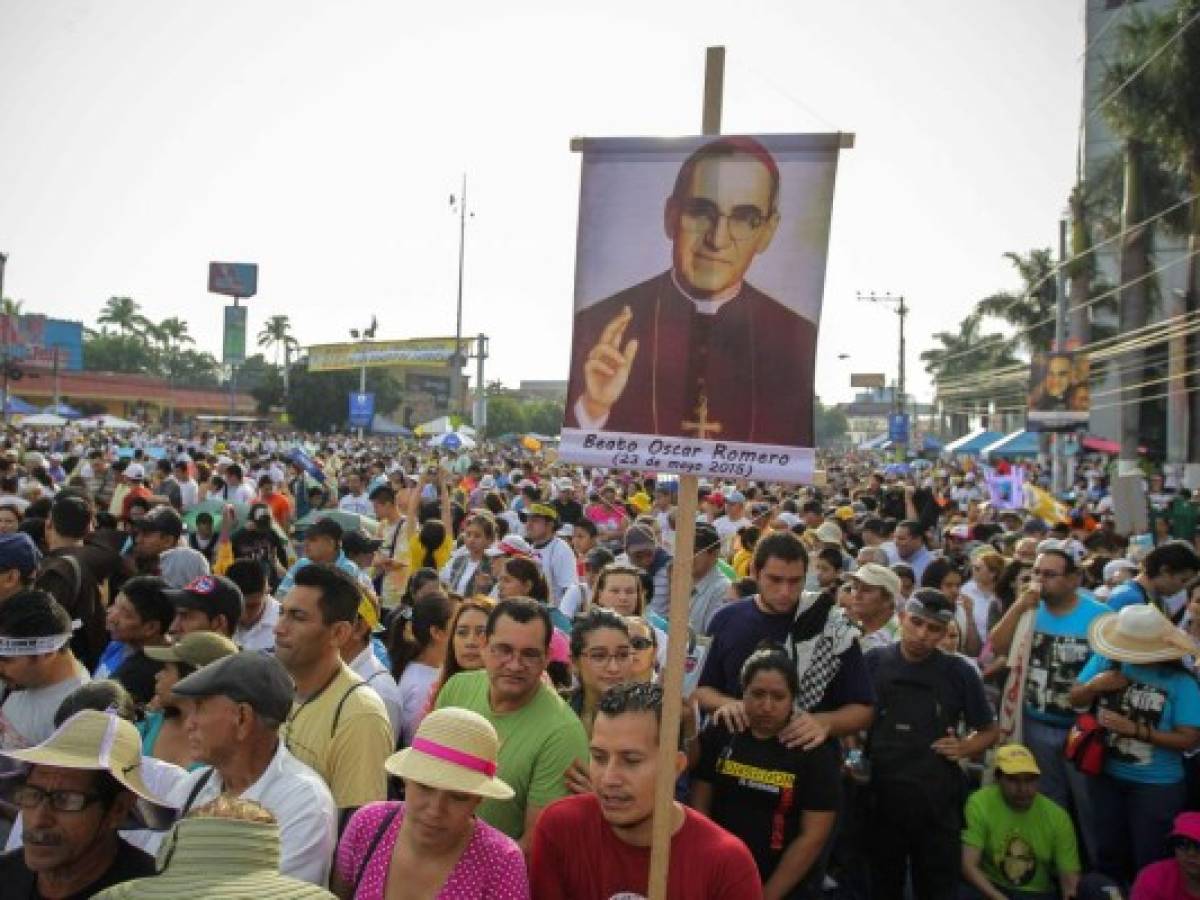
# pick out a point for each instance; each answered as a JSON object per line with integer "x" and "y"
{"x": 43, "y": 420}
{"x": 453, "y": 441}
{"x": 529, "y": 442}
{"x": 18, "y": 407}
{"x": 214, "y": 508}
{"x": 108, "y": 422}
{"x": 62, "y": 409}
{"x": 348, "y": 520}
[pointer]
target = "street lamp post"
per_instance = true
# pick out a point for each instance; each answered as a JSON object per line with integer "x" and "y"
{"x": 461, "y": 202}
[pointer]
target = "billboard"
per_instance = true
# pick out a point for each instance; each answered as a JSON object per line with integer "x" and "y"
{"x": 36, "y": 340}
{"x": 1058, "y": 392}
{"x": 700, "y": 269}
{"x": 233, "y": 347}
{"x": 413, "y": 353}
{"x": 233, "y": 279}
{"x": 362, "y": 409}
{"x": 867, "y": 380}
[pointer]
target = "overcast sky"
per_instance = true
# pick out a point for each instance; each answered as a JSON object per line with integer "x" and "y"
{"x": 143, "y": 138}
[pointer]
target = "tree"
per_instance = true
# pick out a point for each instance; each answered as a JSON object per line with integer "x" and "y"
{"x": 173, "y": 333}
{"x": 124, "y": 313}
{"x": 829, "y": 424}
{"x": 1031, "y": 309}
{"x": 110, "y": 351}
{"x": 277, "y": 332}
{"x": 1128, "y": 104}
{"x": 544, "y": 417}
{"x": 319, "y": 401}
{"x": 11, "y": 307}
{"x": 960, "y": 364}
{"x": 506, "y": 415}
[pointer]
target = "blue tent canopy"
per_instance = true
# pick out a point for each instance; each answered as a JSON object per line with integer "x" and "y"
{"x": 18, "y": 407}
{"x": 971, "y": 444}
{"x": 930, "y": 444}
{"x": 1019, "y": 443}
{"x": 67, "y": 412}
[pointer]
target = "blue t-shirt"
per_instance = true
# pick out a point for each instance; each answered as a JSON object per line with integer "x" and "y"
{"x": 1060, "y": 649}
{"x": 1128, "y": 594}
{"x": 738, "y": 628}
{"x": 1161, "y": 696}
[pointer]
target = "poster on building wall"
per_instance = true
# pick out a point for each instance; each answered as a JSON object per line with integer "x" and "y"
{"x": 1058, "y": 392}
{"x": 700, "y": 269}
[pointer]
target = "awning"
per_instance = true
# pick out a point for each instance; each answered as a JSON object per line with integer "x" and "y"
{"x": 971, "y": 443}
{"x": 1019, "y": 443}
{"x": 875, "y": 443}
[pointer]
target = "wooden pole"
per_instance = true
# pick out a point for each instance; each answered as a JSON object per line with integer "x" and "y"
{"x": 681, "y": 589}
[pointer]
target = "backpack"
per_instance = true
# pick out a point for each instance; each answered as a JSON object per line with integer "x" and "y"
{"x": 910, "y": 714}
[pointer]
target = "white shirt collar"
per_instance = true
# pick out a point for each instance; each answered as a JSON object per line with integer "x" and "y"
{"x": 707, "y": 307}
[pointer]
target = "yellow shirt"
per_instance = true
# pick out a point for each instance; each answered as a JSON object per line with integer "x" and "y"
{"x": 348, "y": 754}
{"x": 416, "y": 553}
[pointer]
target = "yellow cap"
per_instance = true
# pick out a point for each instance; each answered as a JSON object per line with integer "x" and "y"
{"x": 1015, "y": 759}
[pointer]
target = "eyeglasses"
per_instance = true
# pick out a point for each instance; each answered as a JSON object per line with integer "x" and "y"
{"x": 602, "y": 657}
{"x": 700, "y": 216}
{"x": 29, "y": 796}
{"x": 530, "y": 656}
{"x": 1185, "y": 845}
{"x": 641, "y": 643}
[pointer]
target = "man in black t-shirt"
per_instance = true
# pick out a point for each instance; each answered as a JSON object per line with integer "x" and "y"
{"x": 925, "y": 699}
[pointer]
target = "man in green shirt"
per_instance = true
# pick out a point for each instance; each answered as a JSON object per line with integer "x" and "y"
{"x": 1018, "y": 842}
{"x": 540, "y": 736}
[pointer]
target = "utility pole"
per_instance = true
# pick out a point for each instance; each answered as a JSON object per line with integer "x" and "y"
{"x": 902, "y": 312}
{"x": 4, "y": 353}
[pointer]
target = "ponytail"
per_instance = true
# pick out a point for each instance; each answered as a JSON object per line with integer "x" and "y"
{"x": 412, "y": 631}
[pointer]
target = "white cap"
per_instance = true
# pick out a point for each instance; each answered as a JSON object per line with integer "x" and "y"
{"x": 135, "y": 472}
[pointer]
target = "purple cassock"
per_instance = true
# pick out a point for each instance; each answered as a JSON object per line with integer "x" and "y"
{"x": 749, "y": 365}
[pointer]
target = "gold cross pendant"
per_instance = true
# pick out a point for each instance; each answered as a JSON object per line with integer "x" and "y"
{"x": 701, "y": 426}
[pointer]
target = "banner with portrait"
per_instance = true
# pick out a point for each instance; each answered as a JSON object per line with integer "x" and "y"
{"x": 1058, "y": 391}
{"x": 700, "y": 269}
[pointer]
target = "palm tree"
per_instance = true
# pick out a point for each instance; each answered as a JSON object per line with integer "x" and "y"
{"x": 1175, "y": 130}
{"x": 956, "y": 366}
{"x": 173, "y": 333}
{"x": 11, "y": 307}
{"x": 1129, "y": 108}
{"x": 124, "y": 313}
{"x": 1033, "y": 308}
{"x": 277, "y": 332}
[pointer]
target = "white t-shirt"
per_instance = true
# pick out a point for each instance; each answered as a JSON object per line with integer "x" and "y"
{"x": 727, "y": 529}
{"x": 27, "y": 717}
{"x": 415, "y": 684}
{"x": 261, "y": 635}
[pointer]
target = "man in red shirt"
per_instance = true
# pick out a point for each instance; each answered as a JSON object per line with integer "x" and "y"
{"x": 597, "y": 845}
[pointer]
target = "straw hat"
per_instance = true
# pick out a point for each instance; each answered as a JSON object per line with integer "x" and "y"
{"x": 454, "y": 750}
{"x": 100, "y": 741}
{"x": 829, "y": 533}
{"x": 1138, "y": 634}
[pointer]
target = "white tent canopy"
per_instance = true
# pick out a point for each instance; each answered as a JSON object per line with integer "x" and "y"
{"x": 44, "y": 420}
{"x": 108, "y": 423}
{"x": 440, "y": 425}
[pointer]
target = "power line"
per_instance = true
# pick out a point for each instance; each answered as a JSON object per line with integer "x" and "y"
{"x": 1145, "y": 64}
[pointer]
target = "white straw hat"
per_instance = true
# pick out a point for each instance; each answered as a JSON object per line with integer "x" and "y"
{"x": 454, "y": 750}
{"x": 101, "y": 742}
{"x": 1139, "y": 634}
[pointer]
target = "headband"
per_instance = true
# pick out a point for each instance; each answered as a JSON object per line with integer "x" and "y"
{"x": 36, "y": 646}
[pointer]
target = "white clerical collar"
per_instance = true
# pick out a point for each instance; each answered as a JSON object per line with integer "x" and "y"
{"x": 711, "y": 306}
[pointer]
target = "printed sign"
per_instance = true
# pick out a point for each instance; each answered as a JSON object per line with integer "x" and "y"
{"x": 233, "y": 279}
{"x": 1058, "y": 392}
{"x": 362, "y": 409}
{"x": 699, "y": 276}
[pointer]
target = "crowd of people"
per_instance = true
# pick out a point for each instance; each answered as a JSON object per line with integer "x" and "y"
{"x": 301, "y": 666}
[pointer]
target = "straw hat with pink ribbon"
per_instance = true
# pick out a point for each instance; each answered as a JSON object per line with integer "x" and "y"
{"x": 453, "y": 750}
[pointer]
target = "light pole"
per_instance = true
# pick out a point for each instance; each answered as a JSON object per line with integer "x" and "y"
{"x": 364, "y": 337}
{"x": 4, "y": 354}
{"x": 463, "y": 212}
{"x": 902, "y": 312}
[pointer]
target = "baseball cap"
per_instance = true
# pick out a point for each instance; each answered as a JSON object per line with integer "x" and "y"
{"x": 829, "y": 533}
{"x": 247, "y": 677}
{"x": 1187, "y": 825}
{"x": 1115, "y": 566}
{"x": 356, "y": 542}
{"x": 199, "y": 648}
{"x": 543, "y": 511}
{"x": 932, "y": 604}
{"x": 213, "y": 594}
{"x": 135, "y": 472}
{"x": 735, "y": 497}
{"x": 162, "y": 519}
{"x": 878, "y": 576}
{"x": 513, "y": 545}
{"x": 18, "y": 551}
{"x": 1015, "y": 759}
